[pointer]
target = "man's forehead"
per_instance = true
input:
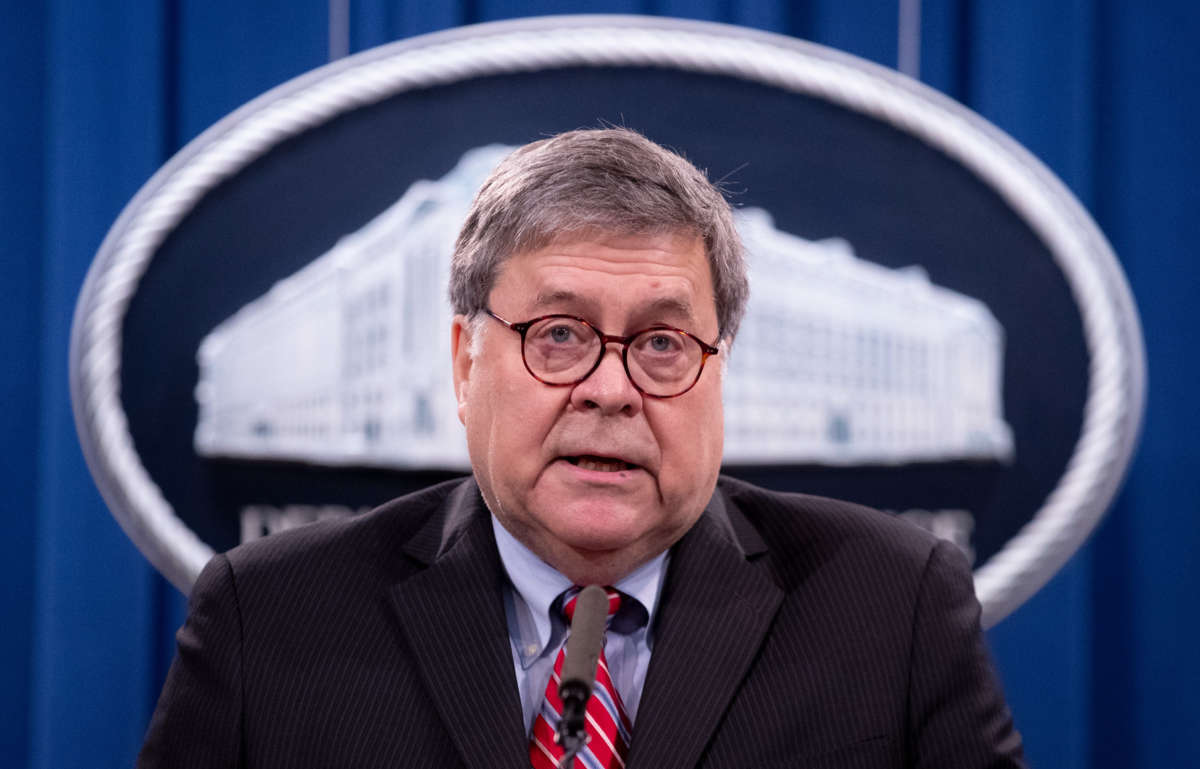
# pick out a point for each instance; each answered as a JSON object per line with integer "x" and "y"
{"x": 631, "y": 278}
{"x": 674, "y": 304}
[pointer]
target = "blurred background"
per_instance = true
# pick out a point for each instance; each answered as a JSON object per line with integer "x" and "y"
{"x": 94, "y": 97}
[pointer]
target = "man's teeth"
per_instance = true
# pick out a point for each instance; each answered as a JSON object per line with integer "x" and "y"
{"x": 601, "y": 465}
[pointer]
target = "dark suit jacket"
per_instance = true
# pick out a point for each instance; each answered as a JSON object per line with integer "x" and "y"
{"x": 793, "y": 631}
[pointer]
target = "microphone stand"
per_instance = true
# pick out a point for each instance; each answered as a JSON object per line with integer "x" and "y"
{"x": 572, "y": 731}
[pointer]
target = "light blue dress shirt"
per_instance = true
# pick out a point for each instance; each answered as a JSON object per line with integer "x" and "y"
{"x": 536, "y": 634}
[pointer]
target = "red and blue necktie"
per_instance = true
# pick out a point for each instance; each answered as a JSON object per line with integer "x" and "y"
{"x": 608, "y": 727}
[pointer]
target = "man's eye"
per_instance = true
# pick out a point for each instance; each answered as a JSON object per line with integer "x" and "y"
{"x": 559, "y": 333}
{"x": 662, "y": 343}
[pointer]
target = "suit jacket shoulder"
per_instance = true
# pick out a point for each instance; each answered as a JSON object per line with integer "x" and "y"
{"x": 869, "y": 653}
{"x": 370, "y": 540}
{"x": 325, "y": 645}
{"x": 795, "y": 523}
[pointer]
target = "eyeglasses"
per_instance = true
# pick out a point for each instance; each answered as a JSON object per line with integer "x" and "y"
{"x": 561, "y": 350}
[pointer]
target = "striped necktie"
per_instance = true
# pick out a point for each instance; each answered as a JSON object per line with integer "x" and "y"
{"x": 608, "y": 727}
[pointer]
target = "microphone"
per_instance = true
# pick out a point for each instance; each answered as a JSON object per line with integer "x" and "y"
{"x": 579, "y": 668}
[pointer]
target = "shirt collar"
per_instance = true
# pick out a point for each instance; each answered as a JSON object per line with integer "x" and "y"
{"x": 537, "y": 584}
{"x": 645, "y": 584}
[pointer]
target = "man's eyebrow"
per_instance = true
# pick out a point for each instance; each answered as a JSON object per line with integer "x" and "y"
{"x": 671, "y": 306}
{"x": 557, "y": 297}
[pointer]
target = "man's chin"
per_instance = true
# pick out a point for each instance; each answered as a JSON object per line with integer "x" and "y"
{"x": 594, "y": 547}
{"x": 599, "y": 529}
{"x": 597, "y": 547}
{"x": 599, "y": 566}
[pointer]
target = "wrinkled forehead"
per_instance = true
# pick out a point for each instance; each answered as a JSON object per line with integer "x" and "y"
{"x": 558, "y": 228}
{"x": 663, "y": 276}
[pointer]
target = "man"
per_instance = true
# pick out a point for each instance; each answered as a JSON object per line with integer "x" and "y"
{"x": 598, "y": 284}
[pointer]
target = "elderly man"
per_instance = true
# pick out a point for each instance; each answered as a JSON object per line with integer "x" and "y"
{"x": 598, "y": 283}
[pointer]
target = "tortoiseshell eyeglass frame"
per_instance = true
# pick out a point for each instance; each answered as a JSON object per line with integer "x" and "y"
{"x": 706, "y": 350}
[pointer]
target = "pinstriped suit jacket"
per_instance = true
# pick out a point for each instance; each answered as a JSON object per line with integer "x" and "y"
{"x": 793, "y": 631}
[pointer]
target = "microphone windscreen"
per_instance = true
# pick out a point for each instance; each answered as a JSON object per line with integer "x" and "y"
{"x": 586, "y": 639}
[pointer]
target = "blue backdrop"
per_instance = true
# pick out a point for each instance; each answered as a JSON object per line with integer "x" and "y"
{"x": 95, "y": 96}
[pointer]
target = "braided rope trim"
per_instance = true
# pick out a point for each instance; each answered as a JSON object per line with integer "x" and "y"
{"x": 1116, "y": 385}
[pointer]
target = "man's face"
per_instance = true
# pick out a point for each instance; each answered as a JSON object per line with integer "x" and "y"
{"x": 530, "y": 443}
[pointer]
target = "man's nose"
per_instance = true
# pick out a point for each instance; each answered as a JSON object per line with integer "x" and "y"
{"x": 608, "y": 388}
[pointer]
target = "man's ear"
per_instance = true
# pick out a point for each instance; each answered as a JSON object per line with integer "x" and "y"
{"x": 460, "y": 359}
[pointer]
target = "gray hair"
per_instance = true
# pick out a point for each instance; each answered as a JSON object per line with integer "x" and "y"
{"x": 610, "y": 179}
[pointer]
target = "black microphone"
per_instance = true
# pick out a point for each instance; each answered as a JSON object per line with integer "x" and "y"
{"x": 579, "y": 668}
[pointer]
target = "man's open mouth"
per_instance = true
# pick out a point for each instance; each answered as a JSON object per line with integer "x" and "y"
{"x": 600, "y": 464}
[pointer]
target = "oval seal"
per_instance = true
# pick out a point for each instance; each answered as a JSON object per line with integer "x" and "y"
{"x": 937, "y": 327}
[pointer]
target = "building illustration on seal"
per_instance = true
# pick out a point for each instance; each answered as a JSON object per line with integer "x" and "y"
{"x": 839, "y": 361}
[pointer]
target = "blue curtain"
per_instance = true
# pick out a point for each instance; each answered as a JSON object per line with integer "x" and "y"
{"x": 95, "y": 96}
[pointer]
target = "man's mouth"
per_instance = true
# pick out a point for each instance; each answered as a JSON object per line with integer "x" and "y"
{"x": 600, "y": 464}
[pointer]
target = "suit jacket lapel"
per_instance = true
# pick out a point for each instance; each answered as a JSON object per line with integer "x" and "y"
{"x": 717, "y": 605}
{"x": 453, "y": 616}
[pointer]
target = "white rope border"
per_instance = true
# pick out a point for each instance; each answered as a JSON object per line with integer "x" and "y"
{"x": 1115, "y": 399}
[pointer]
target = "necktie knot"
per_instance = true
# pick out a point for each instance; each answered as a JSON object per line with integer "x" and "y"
{"x": 614, "y": 602}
